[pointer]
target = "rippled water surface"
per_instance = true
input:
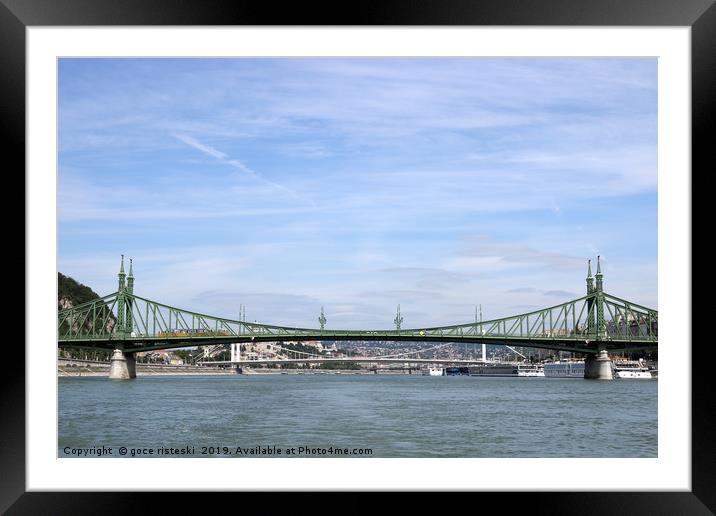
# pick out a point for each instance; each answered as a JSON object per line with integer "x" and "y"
{"x": 393, "y": 415}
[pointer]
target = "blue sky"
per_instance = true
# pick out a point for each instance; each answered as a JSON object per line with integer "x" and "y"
{"x": 357, "y": 184}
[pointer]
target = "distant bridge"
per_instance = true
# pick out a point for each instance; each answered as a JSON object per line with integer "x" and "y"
{"x": 357, "y": 360}
{"x": 280, "y": 355}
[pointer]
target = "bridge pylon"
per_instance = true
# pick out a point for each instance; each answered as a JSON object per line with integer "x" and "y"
{"x": 121, "y": 312}
{"x": 122, "y": 366}
{"x": 129, "y": 301}
{"x": 600, "y": 301}
{"x": 597, "y": 366}
{"x": 235, "y": 352}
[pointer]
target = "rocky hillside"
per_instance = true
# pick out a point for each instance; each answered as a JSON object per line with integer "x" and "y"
{"x": 72, "y": 293}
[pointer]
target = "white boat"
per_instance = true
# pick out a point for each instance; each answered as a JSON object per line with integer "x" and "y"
{"x": 633, "y": 374}
{"x": 510, "y": 370}
{"x": 530, "y": 370}
{"x": 568, "y": 369}
{"x": 632, "y": 370}
{"x": 433, "y": 371}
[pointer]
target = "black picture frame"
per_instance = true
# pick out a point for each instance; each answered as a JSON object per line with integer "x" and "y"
{"x": 700, "y": 15}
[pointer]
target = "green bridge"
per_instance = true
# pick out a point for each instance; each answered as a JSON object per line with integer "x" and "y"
{"x": 594, "y": 324}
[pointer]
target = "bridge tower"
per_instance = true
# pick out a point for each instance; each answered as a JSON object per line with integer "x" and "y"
{"x": 130, "y": 291}
{"x": 484, "y": 346}
{"x": 398, "y": 319}
{"x": 600, "y": 300}
{"x": 120, "y": 301}
{"x": 123, "y": 366}
{"x": 241, "y": 319}
{"x": 236, "y": 347}
{"x": 590, "y": 301}
{"x": 597, "y": 366}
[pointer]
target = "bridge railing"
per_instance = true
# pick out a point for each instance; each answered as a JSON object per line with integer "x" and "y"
{"x": 90, "y": 320}
{"x": 629, "y": 321}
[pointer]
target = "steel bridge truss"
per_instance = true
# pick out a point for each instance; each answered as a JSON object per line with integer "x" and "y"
{"x": 122, "y": 319}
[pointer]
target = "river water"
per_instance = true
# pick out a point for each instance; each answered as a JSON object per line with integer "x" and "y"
{"x": 391, "y": 415}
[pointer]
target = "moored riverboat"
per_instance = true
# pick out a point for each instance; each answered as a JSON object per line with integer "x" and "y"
{"x": 566, "y": 369}
{"x": 507, "y": 370}
{"x": 457, "y": 371}
{"x": 433, "y": 371}
{"x": 632, "y": 370}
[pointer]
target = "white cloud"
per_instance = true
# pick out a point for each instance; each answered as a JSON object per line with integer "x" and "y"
{"x": 193, "y": 142}
{"x": 224, "y": 158}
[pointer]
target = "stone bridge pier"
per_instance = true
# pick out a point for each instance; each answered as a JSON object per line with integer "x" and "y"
{"x": 123, "y": 366}
{"x": 598, "y": 366}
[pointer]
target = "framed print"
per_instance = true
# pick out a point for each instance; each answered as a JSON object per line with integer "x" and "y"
{"x": 407, "y": 194}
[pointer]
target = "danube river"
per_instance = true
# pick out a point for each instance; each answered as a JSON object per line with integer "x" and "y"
{"x": 389, "y": 415}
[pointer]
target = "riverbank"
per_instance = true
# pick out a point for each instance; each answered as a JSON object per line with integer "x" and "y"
{"x": 322, "y": 372}
{"x": 205, "y": 371}
{"x": 104, "y": 371}
{"x": 77, "y": 367}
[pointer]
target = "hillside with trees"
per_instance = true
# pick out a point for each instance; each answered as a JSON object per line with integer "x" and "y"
{"x": 71, "y": 293}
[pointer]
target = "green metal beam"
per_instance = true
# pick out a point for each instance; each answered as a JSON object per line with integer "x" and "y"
{"x": 573, "y": 324}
